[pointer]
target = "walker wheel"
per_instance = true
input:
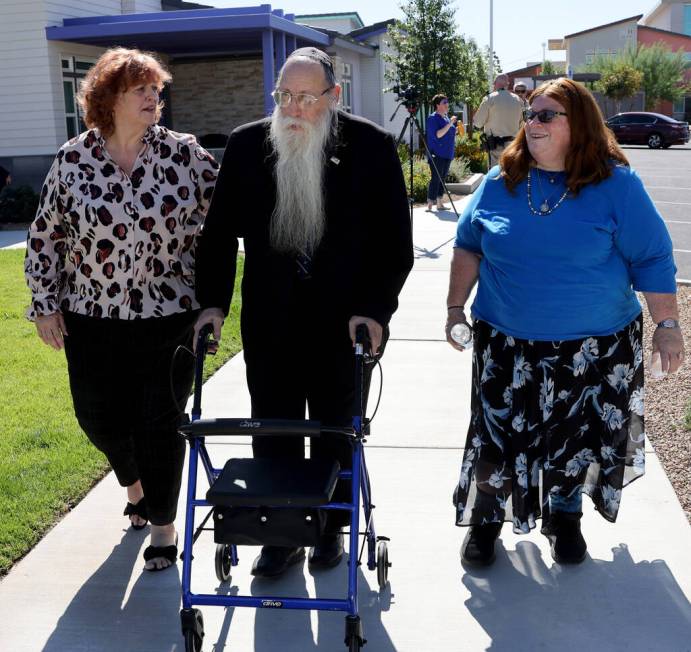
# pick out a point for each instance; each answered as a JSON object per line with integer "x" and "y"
{"x": 192, "y": 642}
{"x": 355, "y": 645}
{"x": 383, "y": 565}
{"x": 223, "y": 562}
{"x": 192, "y": 629}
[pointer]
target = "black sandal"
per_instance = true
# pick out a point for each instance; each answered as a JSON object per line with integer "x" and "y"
{"x": 137, "y": 510}
{"x": 167, "y": 552}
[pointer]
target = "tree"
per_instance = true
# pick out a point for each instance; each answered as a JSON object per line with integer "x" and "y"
{"x": 662, "y": 69}
{"x": 428, "y": 52}
{"x": 548, "y": 69}
{"x": 621, "y": 80}
{"x": 472, "y": 81}
{"x": 663, "y": 73}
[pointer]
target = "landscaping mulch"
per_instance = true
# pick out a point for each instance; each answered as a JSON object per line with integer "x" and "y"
{"x": 668, "y": 409}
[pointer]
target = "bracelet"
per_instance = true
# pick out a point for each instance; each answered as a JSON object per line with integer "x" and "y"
{"x": 453, "y": 307}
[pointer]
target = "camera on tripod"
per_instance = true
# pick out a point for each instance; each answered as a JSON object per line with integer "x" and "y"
{"x": 409, "y": 95}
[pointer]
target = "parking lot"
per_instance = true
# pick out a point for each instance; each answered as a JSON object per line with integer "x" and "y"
{"x": 666, "y": 174}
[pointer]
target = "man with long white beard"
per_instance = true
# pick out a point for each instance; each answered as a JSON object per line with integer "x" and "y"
{"x": 319, "y": 198}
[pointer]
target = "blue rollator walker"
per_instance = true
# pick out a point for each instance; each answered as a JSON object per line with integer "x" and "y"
{"x": 277, "y": 502}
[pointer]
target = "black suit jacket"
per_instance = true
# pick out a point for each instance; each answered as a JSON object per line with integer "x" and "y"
{"x": 364, "y": 257}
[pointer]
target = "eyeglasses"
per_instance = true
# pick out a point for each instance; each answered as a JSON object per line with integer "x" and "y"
{"x": 546, "y": 115}
{"x": 284, "y": 98}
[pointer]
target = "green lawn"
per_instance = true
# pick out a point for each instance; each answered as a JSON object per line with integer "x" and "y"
{"x": 46, "y": 463}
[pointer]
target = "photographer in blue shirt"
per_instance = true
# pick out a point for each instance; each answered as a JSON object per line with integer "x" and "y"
{"x": 441, "y": 136}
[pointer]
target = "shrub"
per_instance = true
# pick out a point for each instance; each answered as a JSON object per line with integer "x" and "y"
{"x": 458, "y": 170}
{"x": 421, "y": 178}
{"x": 18, "y": 204}
{"x": 469, "y": 149}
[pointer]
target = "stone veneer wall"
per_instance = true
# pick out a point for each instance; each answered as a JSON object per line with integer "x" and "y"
{"x": 214, "y": 97}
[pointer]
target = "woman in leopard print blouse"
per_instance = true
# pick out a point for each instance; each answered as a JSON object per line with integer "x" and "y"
{"x": 110, "y": 265}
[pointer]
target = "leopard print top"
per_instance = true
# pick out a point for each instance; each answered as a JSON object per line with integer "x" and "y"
{"x": 105, "y": 244}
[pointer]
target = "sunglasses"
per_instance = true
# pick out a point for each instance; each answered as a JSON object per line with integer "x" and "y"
{"x": 544, "y": 116}
{"x": 520, "y": 91}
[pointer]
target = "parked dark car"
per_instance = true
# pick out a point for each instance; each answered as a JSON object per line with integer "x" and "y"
{"x": 651, "y": 129}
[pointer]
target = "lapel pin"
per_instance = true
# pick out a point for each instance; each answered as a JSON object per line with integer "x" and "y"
{"x": 335, "y": 160}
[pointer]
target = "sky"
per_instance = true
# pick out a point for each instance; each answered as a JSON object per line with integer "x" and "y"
{"x": 520, "y": 26}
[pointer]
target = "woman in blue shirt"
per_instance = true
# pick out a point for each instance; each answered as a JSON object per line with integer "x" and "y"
{"x": 560, "y": 236}
{"x": 441, "y": 136}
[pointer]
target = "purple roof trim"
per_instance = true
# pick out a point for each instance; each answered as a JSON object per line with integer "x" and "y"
{"x": 102, "y": 28}
{"x": 188, "y": 13}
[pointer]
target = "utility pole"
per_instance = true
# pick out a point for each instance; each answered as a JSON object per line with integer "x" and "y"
{"x": 490, "y": 66}
{"x": 543, "y": 54}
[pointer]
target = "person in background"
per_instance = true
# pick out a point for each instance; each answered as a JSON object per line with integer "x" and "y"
{"x": 560, "y": 237}
{"x": 499, "y": 116}
{"x": 110, "y": 264}
{"x": 441, "y": 138}
{"x": 521, "y": 90}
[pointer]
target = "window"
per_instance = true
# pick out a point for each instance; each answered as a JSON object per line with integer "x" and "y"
{"x": 347, "y": 88}
{"x": 687, "y": 19}
{"x": 678, "y": 106}
{"x": 73, "y": 71}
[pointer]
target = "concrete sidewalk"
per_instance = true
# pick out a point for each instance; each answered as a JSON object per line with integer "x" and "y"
{"x": 82, "y": 587}
{"x": 13, "y": 239}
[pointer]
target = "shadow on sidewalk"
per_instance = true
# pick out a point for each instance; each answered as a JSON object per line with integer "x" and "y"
{"x": 523, "y": 604}
{"x": 422, "y": 252}
{"x": 103, "y": 617}
{"x": 292, "y": 631}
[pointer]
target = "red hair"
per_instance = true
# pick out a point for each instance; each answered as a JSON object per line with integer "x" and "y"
{"x": 117, "y": 70}
{"x": 592, "y": 149}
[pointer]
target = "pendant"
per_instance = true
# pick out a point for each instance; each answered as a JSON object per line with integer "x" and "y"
{"x": 544, "y": 207}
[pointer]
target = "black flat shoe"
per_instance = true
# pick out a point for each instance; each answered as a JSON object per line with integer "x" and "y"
{"x": 167, "y": 552}
{"x": 328, "y": 552}
{"x": 477, "y": 548}
{"x": 137, "y": 510}
{"x": 275, "y": 560}
{"x": 566, "y": 542}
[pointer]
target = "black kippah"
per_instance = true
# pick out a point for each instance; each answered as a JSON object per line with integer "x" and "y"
{"x": 314, "y": 54}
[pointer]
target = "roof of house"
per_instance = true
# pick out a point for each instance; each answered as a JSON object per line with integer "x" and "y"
{"x": 665, "y": 31}
{"x": 616, "y": 22}
{"x": 343, "y": 14}
{"x": 526, "y": 69}
{"x": 347, "y": 41}
{"x": 369, "y": 30}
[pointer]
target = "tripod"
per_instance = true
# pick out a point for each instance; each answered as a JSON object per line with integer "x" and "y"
{"x": 411, "y": 124}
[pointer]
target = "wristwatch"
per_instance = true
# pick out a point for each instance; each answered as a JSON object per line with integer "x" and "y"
{"x": 668, "y": 323}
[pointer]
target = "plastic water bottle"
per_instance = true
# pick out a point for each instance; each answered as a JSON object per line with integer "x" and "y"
{"x": 460, "y": 333}
{"x": 656, "y": 372}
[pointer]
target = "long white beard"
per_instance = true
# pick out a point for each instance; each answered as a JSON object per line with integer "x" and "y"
{"x": 297, "y": 223}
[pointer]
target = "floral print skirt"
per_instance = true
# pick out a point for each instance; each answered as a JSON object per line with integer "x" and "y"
{"x": 551, "y": 418}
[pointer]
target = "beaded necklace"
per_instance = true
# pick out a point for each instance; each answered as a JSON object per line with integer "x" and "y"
{"x": 544, "y": 206}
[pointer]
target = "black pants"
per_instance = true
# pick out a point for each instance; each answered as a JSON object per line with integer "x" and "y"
{"x": 312, "y": 363}
{"x": 121, "y": 388}
{"x": 435, "y": 190}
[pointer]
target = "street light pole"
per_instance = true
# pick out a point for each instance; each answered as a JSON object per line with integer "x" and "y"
{"x": 490, "y": 66}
